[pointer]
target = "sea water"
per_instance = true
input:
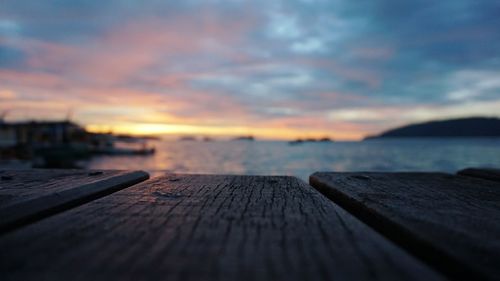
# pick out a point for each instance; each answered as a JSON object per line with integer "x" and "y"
{"x": 282, "y": 158}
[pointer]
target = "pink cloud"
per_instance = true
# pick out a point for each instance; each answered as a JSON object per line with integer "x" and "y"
{"x": 140, "y": 72}
{"x": 30, "y": 79}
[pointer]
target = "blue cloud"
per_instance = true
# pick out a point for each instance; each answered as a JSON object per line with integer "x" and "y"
{"x": 11, "y": 57}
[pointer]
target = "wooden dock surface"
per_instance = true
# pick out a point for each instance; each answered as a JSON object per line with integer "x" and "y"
{"x": 105, "y": 225}
{"x": 29, "y": 195}
{"x": 488, "y": 174}
{"x": 450, "y": 221}
{"x": 207, "y": 228}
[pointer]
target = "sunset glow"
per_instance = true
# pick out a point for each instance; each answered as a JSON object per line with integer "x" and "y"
{"x": 223, "y": 132}
{"x": 272, "y": 69}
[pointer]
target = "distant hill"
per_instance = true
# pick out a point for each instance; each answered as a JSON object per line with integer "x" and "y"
{"x": 464, "y": 127}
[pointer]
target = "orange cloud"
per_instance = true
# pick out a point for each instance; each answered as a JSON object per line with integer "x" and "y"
{"x": 7, "y": 95}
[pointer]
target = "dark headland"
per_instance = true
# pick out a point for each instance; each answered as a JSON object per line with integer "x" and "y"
{"x": 463, "y": 127}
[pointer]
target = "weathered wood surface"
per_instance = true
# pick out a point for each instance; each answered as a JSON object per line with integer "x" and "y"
{"x": 452, "y": 222}
{"x": 28, "y": 195}
{"x": 488, "y": 174}
{"x": 194, "y": 227}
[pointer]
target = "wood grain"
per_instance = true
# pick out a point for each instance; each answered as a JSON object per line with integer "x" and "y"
{"x": 28, "y": 195}
{"x": 488, "y": 174}
{"x": 202, "y": 227}
{"x": 452, "y": 222}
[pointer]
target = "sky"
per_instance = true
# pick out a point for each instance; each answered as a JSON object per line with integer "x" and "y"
{"x": 274, "y": 69}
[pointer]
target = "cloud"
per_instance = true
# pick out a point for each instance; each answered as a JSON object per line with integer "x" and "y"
{"x": 10, "y": 57}
{"x": 467, "y": 85}
{"x": 309, "y": 45}
{"x": 7, "y": 95}
{"x": 337, "y": 67}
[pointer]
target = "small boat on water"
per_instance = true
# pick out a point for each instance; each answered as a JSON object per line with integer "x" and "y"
{"x": 109, "y": 145}
{"x": 127, "y": 151}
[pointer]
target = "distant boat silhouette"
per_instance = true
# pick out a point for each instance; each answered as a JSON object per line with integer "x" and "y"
{"x": 245, "y": 138}
{"x": 300, "y": 141}
{"x": 295, "y": 142}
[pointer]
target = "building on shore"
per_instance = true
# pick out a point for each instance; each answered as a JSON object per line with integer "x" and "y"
{"x": 43, "y": 143}
{"x": 41, "y": 134}
{"x": 60, "y": 144}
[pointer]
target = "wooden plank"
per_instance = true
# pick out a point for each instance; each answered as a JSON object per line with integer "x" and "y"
{"x": 452, "y": 222}
{"x": 29, "y": 195}
{"x": 483, "y": 173}
{"x": 202, "y": 227}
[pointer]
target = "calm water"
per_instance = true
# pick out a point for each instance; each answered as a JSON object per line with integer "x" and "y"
{"x": 274, "y": 158}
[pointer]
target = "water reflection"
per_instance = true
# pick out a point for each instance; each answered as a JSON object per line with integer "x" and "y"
{"x": 276, "y": 158}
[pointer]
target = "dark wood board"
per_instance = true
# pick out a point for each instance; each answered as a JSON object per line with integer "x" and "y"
{"x": 452, "y": 222}
{"x": 488, "y": 174}
{"x": 28, "y": 195}
{"x": 203, "y": 227}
